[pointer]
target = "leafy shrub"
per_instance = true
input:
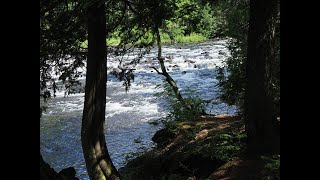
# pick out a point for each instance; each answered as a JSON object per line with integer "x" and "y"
{"x": 271, "y": 169}
{"x": 224, "y": 146}
{"x": 177, "y": 110}
{"x": 228, "y": 146}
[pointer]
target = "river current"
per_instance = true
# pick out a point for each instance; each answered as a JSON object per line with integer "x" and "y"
{"x": 128, "y": 114}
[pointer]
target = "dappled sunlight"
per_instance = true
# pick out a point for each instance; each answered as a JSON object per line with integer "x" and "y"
{"x": 202, "y": 134}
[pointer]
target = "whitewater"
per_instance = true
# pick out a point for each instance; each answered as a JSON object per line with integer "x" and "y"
{"x": 129, "y": 113}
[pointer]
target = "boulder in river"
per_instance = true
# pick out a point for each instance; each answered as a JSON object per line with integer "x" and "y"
{"x": 163, "y": 136}
{"x": 189, "y": 61}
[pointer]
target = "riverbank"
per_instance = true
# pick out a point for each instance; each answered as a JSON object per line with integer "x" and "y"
{"x": 212, "y": 147}
{"x": 165, "y": 40}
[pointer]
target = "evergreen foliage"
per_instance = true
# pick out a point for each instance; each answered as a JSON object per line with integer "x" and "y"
{"x": 232, "y": 75}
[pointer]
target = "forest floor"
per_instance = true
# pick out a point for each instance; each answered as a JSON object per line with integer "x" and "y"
{"x": 211, "y": 147}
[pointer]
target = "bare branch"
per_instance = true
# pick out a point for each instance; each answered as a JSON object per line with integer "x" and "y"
{"x": 157, "y": 70}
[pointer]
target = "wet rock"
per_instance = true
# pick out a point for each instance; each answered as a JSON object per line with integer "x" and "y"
{"x": 222, "y": 53}
{"x": 184, "y": 72}
{"x": 206, "y": 53}
{"x": 163, "y": 136}
{"x": 208, "y": 57}
{"x": 189, "y": 61}
{"x": 127, "y": 104}
{"x": 116, "y": 72}
{"x": 168, "y": 60}
{"x": 148, "y": 60}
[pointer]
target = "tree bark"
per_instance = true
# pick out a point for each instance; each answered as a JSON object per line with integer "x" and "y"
{"x": 98, "y": 162}
{"x": 263, "y": 136}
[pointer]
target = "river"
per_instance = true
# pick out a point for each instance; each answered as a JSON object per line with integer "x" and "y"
{"x": 128, "y": 114}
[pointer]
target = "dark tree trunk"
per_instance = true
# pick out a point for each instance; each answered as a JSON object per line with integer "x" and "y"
{"x": 260, "y": 122}
{"x": 98, "y": 162}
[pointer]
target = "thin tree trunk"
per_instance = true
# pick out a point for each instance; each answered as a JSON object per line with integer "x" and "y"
{"x": 260, "y": 122}
{"x": 98, "y": 162}
{"x": 169, "y": 79}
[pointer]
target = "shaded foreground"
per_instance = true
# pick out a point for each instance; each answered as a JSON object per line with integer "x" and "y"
{"x": 212, "y": 147}
{"x": 48, "y": 173}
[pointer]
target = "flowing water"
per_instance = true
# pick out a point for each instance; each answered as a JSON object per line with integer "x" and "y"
{"x": 128, "y": 131}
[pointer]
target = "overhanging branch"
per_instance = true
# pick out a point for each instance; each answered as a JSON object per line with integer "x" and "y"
{"x": 157, "y": 70}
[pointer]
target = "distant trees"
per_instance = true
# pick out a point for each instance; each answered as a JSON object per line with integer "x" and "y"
{"x": 186, "y": 17}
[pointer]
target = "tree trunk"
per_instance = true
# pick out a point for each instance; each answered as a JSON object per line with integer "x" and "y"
{"x": 169, "y": 79}
{"x": 260, "y": 122}
{"x": 98, "y": 162}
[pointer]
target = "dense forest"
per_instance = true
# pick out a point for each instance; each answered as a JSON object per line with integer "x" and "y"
{"x": 80, "y": 39}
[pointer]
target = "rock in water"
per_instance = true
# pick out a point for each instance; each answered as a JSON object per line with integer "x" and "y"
{"x": 69, "y": 173}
